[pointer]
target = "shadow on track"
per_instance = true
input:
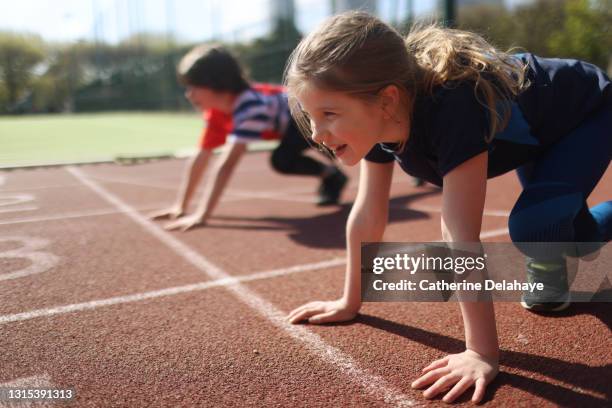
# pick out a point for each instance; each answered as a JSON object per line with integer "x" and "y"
{"x": 579, "y": 376}
{"x": 328, "y": 230}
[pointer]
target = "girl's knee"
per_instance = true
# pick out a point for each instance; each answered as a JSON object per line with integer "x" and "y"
{"x": 545, "y": 212}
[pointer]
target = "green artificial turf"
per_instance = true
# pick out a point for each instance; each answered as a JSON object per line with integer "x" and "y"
{"x": 51, "y": 139}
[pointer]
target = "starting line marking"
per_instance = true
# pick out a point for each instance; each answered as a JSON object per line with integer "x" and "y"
{"x": 373, "y": 384}
{"x": 26, "y": 208}
{"x": 77, "y": 214}
{"x": 194, "y": 287}
{"x": 176, "y": 290}
{"x": 433, "y": 208}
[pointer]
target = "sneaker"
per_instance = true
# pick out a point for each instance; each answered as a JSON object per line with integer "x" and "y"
{"x": 331, "y": 188}
{"x": 417, "y": 182}
{"x": 555, "y": 296}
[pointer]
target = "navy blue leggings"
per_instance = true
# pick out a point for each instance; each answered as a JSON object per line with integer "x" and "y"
{"x": 552, "y": 206}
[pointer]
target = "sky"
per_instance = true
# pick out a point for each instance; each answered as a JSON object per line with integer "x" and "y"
{"x": 189, "y": 20}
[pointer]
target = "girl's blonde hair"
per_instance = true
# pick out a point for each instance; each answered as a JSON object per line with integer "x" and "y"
{"x": 357, "y": 53}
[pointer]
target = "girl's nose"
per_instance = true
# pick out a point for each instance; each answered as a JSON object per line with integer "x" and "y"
{"x": 318, "y": 135}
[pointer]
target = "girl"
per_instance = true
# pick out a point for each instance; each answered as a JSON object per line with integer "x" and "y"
{"x": 454, "y": 111}
{"x": 237, "y": 113}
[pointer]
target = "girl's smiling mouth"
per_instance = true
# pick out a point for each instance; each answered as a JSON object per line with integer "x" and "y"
{"x": 339, "y": 150}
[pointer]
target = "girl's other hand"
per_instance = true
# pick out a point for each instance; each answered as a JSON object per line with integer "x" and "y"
{"x": 459, "y": 371}
{"x": 324, "y": 312}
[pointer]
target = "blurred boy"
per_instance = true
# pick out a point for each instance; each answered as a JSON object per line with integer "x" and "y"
{"x": 238, "y": 113}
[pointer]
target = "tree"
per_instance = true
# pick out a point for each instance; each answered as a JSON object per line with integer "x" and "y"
{"x": 266, "y": 57}
{"x": 585, "y": 33}
{"x": 19, "y": 55}
{"x": 494, "y": 22}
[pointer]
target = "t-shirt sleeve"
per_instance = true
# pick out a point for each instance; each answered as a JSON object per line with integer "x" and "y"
{"x": 378, "y": 155}
{"x": 458, "y": 128}
{"x": 218, "y": 125}
{"x": 251, "y": 121}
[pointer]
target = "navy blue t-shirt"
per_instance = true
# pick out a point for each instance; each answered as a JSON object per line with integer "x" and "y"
{"x": 450, "y": 126}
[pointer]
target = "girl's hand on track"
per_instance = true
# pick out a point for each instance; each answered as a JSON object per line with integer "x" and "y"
{"x": 323, "y": 312}
{"x": 458, "y": 372}
{"x": 185, "y": 223}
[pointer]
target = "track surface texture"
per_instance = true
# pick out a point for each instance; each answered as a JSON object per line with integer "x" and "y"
{"x": 95, "y": 297}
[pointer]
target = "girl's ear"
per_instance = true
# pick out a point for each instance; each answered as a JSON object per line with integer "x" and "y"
{"x": 389, "y": 98}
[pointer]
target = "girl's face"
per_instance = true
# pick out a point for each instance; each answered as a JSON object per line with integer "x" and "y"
{"x": 201, "y": 98}
{"x": 347, "y": 125}
{"x": 205, "y": 98}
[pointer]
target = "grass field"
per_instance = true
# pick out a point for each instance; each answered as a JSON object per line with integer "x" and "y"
{"x": 50, "y": 139}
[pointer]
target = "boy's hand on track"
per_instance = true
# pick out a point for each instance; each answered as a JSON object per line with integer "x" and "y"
{"x": 171, "y": 213}
{"x": 185, "y": 223}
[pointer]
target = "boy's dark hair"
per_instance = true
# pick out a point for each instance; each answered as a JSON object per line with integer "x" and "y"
{"x": 212, "y": 66}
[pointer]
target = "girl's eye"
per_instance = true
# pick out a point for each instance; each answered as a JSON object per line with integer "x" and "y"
{"x": 329, "y": 114}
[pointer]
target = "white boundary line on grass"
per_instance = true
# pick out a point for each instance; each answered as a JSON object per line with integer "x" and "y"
{"x": 373, "y": 384}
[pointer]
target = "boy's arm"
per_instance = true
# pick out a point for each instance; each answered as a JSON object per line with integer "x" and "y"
{"x": 192, "y": 175}
{"x": 221, "y": 174}
{"x": 463, "y": 200}
{"x": 366, "y": 222}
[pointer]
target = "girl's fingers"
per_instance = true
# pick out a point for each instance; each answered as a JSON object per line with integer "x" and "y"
{"x": 479, "y": 390}
{"x": 323, "y": 317}
{"x": 436, "y": 364}
{"x": 430, "y": 377}
{"x": 170, "y": 226}
{"x": 294, "y": 313}
{"x": 188, "y": 226}
{"x": 303, "y": 315}
{"x": 442, "y": 384}
{"x": 300, "y": 309}
{"x": 458, "y": 389}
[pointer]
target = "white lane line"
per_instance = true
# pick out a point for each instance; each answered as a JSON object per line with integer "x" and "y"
{"x": 45, "y": 187}
{"x": 137, "y": 182}
{"x": 230, "y": 195}
{"x": 282, "y": 196}
{"x": 76, "y": 214}
{"x": 94, "y": 304}
{"x": 26, "y": 208}
{"x": 14, "y": 199}
{"x": 176, "y": 290}
{"x": 16, "y": 202}
{"x": 373, "y": 384}
{"x": 36, "y": 381}
{"x": 436, "y": 209}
